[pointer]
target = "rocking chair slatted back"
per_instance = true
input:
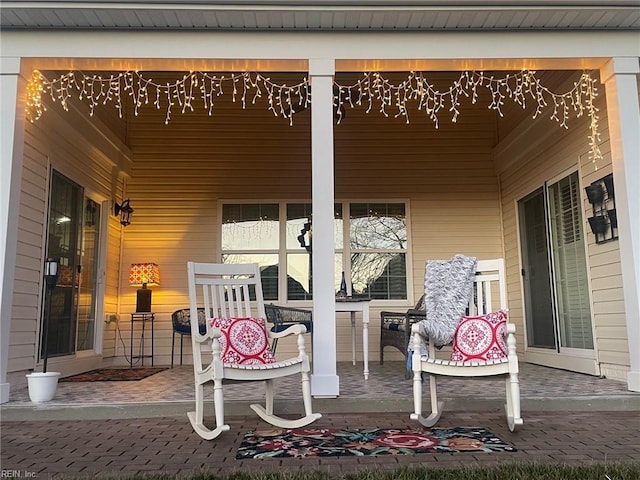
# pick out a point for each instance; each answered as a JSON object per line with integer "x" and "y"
{"x": 488, "y": 277}
{"x": 225, "y": 292}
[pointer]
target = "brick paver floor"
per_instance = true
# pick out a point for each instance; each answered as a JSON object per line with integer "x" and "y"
{"x": 56, "y": 449}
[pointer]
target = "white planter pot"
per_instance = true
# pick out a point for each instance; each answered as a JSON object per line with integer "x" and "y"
{"x": 42, "y": 386}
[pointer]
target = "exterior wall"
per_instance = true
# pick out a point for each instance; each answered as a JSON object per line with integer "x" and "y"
{"x": 541, "y": 153}
{"x": 85, "y": 152}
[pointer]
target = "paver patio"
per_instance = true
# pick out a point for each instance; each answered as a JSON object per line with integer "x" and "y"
{"x": 127, "y": 428}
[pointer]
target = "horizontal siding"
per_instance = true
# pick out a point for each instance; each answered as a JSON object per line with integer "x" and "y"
{"x": 62, "y": 140}
{"x": 605, "y": 272}
{"x": 112, "y": 286}
{"x": 518, "y": 177}
{"x": 182, "y": 170}
{"x": 25, "y": 311}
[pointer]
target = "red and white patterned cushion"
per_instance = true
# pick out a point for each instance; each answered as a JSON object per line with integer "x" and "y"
{"x": 481, "y": 338}
{"x": 243, "y": 341}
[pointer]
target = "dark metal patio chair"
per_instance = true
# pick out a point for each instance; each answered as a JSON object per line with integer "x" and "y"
{"x": 284, "y": 317}
{"x": 181, "y": 326}
{"x": 395, "y": 329}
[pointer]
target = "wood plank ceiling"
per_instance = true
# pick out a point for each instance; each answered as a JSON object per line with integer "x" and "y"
{"x": 314, "y": 15}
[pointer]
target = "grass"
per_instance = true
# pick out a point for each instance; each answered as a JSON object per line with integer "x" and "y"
{"x": 520, "y": 471}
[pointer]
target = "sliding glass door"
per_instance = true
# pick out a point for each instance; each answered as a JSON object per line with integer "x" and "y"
{"x": 555, "y": 280}
{"x": 73, "y": 238}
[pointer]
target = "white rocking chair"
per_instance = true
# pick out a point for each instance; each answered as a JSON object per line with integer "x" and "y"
{"x": 224, "y": 293}
{"x": 489, "y": 281}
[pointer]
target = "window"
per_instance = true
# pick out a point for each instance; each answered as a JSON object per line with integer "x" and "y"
{"x": 371, "y": 247}
{"x": 378, "y": 246}
{"x": 251, "y": 234}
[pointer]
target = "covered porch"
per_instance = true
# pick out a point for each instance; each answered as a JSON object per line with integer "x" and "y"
{"x": 461, "y": 182}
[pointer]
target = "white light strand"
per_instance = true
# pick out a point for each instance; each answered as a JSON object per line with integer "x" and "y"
{"x": 97, "y": 90}
{"x": 283, "y": 100}
{"x": 518, "y": 87}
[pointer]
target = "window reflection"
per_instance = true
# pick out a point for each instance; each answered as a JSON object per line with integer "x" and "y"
{"x": 374, "y": 259}
{"x": 299, "y": 284}
{"x": 300, "y": 213}
{"x": 297, "y": 215}
{"x": 378, "y": 226}
{"x": 268, "y": 271}
{"x": 250, "y": 226}
{"x": 379, "y": 275}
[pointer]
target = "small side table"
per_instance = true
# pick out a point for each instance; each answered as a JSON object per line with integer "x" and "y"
{"x": 353, "y": 305}
{"x": 143, "y": 318}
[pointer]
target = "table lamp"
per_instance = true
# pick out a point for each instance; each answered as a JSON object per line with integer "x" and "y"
{"x": 144, "y": 275}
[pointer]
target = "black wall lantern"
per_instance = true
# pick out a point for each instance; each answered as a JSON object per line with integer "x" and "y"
{"x": 123, "y": 210}
{"x": 601, "y": 196}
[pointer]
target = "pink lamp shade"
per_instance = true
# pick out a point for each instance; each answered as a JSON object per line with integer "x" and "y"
{"x": 144, "y": 274}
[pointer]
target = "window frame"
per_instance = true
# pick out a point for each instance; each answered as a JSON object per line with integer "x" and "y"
{"x": 283, "y": 251}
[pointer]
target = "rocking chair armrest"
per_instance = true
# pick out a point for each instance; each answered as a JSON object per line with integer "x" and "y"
{"x": 415, "y": 330}
{"x": 211, "y": 334}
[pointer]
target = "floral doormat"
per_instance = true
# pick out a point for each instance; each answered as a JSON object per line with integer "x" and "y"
{"x": 308, "y": 442}
{"x": 114, "y": 374}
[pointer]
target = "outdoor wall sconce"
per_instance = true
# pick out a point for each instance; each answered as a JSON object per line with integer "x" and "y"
{"x": 123, "y": 210}
{"x": 90, "y": 213}
{"x": 601, "y": 196}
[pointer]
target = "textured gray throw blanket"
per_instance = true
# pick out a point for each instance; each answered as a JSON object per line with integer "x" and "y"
{"x": 447, "y": 288}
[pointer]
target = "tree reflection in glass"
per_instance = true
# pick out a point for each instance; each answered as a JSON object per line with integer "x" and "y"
{"x": 378, "y": 241}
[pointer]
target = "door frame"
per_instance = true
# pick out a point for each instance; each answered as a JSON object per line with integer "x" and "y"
{"x": 84, "y": 360}
{"x": 577, "y": 360}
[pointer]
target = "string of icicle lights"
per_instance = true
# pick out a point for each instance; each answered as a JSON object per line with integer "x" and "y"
{"x": 373, "y": 90}
{"x": 180, "y": 94}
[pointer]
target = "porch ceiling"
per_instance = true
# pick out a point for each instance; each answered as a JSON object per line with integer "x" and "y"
{"x": 254, "y": 134}
{"x": 314, "y": 15}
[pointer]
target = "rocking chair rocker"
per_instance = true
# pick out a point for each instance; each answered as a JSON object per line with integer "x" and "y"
{"x": 224, "y": 293}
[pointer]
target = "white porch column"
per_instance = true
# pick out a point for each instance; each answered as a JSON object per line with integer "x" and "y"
{"x": 621, "y": 82}
{"x": 11, "y": 141}
{"x": 324, "y": 381}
